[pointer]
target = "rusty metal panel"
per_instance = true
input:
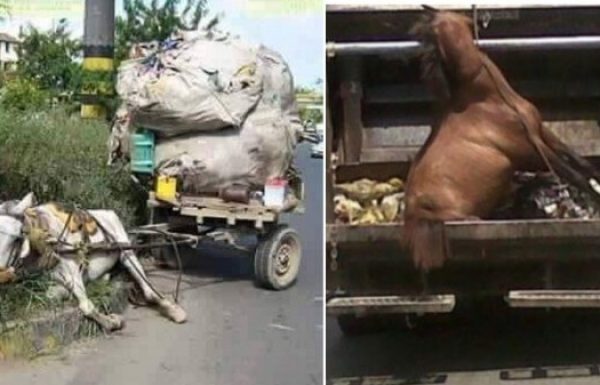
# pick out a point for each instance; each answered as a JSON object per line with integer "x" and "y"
{"x": 392, "y": 22}
{"x": 328, "y": 164}
{"x": 401, "y": 143}
{"x": 394, "y": 136}
{"x": 508, "y": 230}
{"x": 351, "y": 91}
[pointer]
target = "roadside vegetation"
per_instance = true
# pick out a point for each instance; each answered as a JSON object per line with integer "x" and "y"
{"x": 45, "y": 146}
{"x": 29, "y": 298}
{"x": 61, "y": 157}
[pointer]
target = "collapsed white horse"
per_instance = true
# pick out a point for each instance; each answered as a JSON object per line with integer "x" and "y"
{"x": 19, "y": 220}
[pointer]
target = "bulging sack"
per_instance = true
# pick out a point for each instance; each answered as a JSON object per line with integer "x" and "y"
{"x": 260, "y": 150}
{"x": 191, "y": 85}
{"x": 220, "y": 120}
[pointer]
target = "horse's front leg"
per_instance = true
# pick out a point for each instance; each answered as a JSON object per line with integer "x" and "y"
{"x": 68, "y": 274}
{"x": 170, "y": 309}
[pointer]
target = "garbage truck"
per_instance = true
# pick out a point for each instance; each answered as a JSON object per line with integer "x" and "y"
{"x": 379, "y": 115}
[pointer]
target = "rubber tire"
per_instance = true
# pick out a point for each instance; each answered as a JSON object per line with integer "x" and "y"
{"x": 264, "y": 268}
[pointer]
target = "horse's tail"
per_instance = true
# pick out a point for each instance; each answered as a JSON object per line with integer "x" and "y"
{"x": 426, "y": 239}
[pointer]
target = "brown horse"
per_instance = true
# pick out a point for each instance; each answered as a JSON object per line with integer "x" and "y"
{"x": 483, "y": 133}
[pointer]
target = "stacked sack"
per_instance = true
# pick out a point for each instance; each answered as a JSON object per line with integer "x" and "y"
{"x": 223, "y": 111}
{"x": 365, "y": 201}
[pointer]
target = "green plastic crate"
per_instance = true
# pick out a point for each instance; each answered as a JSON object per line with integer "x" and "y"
{"x": 142, "y": 160}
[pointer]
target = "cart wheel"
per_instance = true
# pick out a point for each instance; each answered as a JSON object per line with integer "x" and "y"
{"x": 277, "y": 258}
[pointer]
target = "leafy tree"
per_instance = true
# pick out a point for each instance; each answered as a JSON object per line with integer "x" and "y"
{"x": 23, "y": 94}
{"x": 155, "y": 21}
{"x": 4, "y": 9}
{"x": 48, "y": 58}
{"x": 310, "y": 93}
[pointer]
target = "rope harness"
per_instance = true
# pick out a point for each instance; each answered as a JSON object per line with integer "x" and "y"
{"x": 49, "y": 250}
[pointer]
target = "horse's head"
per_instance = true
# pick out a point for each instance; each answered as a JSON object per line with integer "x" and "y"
{"x": 12, "y": 243}
{"x": 449, "y": 54}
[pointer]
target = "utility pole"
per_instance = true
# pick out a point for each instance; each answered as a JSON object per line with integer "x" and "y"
{"x": 98, "y": 55}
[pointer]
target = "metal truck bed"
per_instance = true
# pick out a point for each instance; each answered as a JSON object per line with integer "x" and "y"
{"x": 528, "y": 262}
{"x": 378, "y": 117}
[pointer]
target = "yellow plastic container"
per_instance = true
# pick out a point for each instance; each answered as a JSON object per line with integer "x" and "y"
{"x": 166, "y": 188}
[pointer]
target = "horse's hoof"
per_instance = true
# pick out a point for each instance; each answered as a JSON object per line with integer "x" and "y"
{"x": 114, "y": 322}
{"x": 7, "y": 275}
{"x": 175, "y": 313}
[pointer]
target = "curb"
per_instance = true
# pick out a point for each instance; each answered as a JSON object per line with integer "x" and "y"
{"x": 51, "y": 331}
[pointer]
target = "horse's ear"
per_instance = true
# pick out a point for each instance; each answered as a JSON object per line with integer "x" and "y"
{"x": 25, "y": 203}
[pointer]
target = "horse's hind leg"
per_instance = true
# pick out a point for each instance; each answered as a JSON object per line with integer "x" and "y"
{"x": 68, "y": 274}
{"x": 172, "y": 310}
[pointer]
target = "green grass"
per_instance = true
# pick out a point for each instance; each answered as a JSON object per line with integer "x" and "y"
{"x": 26, "y": 298}
{"x": 61, "y": 157}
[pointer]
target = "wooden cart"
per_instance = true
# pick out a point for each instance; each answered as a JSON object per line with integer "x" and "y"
{"x": 278, "y": 251}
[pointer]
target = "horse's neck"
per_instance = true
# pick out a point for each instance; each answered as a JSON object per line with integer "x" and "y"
{"x": 490, "y": 81}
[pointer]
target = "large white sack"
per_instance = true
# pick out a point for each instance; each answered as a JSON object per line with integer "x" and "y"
{"x": 261, "y": 149}
{"x": 198, "y": 85}
{"x": 213, "y": 147}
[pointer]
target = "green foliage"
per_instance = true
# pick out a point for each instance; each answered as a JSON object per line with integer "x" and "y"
{"x": 63, "y": 158}
{"x": 4, "y": 9}
{"x": 47, "y": 57}
{"x": 23, "y": 94}
{"x": 27, "y": 297}
{"x": 155, "y": 21}
{"x": 314, "y": 115}
{"x": 308, "y": 98}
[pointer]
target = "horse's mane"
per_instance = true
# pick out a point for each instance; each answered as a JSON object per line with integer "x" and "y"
{"x": 432, "y": 67}
{"x": 440, "y": 78}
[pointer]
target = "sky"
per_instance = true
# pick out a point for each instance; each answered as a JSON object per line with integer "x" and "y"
{"x": 294, "y": 28}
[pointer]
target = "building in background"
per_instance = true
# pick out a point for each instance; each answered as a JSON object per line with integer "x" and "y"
{"x": 8, "y": 52}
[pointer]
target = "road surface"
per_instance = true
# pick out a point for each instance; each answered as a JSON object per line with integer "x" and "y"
{"x": 236, "y": 334}
{"x": 485, "y": 349}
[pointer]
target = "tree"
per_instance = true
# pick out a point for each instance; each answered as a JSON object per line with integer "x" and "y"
{"x": 308, "y": 98}
{"x": 48, "y": 58}
{"x": 4, "y": 9}
{"x": 155, "y": 21}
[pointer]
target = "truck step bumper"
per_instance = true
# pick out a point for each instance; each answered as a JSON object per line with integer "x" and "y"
{"x": 554, "y": 298}
{"x": 391, "y": 304}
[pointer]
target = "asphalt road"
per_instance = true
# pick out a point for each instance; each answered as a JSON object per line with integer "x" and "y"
{"x": 236, "y": 333}
{"x": 545, "y": 347}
